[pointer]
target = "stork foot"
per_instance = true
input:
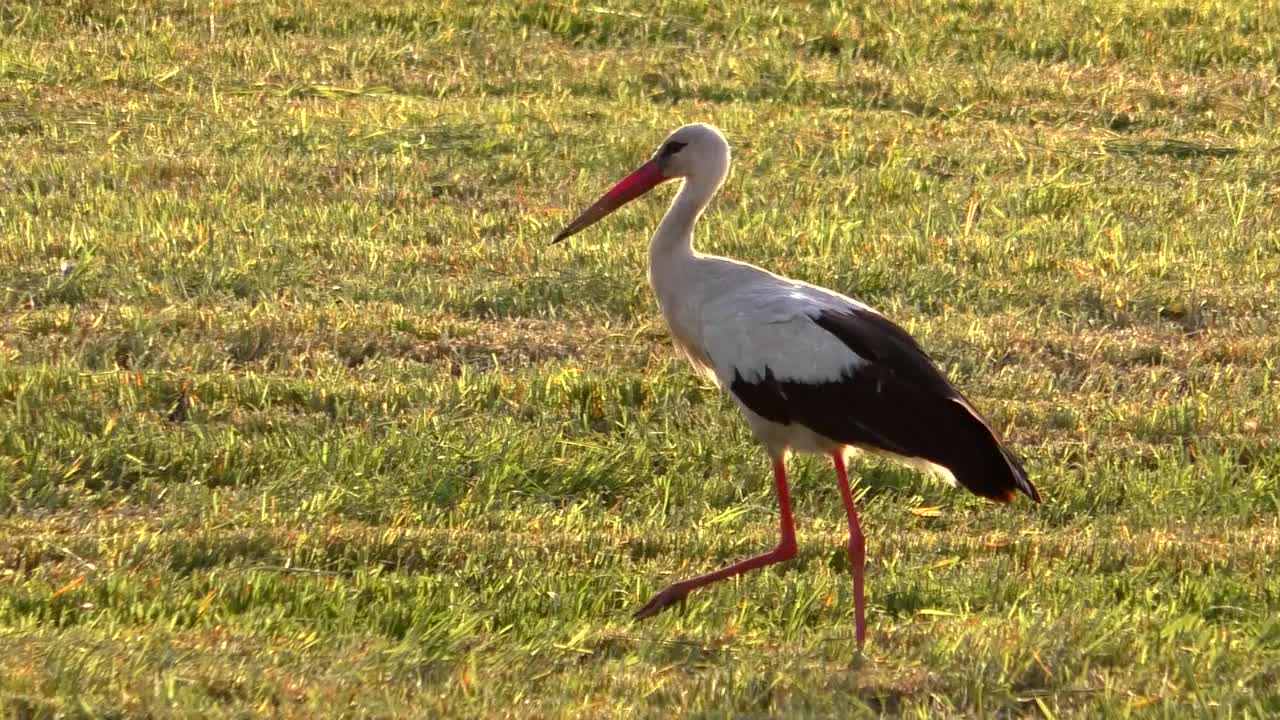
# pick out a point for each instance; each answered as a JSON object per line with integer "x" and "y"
{"x": 785, "y": 551}
{"x": 663, "y": 600}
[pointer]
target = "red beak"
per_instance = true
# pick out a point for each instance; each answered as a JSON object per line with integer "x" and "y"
{"x": 644, "y": 179}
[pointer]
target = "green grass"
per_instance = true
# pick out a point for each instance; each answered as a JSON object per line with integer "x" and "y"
{"x": 300, "y": 415}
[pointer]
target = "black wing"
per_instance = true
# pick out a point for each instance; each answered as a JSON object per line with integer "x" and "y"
{"x": 897, "y": 402}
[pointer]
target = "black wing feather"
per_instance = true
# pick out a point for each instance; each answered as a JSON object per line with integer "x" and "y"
{"x": 897, "y": 402}
{"x": 880, "y": 340}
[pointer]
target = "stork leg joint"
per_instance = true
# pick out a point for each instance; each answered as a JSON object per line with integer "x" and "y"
{"x": 785, "y": 550}
{"x": 678, "y": 592}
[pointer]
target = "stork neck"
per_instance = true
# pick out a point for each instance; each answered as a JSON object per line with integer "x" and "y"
{"x": 675, "y": 233}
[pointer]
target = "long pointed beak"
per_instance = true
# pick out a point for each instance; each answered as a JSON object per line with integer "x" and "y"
{"x": 645, "y": 178}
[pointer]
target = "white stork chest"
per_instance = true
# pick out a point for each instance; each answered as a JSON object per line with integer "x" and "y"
{"x": 678, "y": 289}
{"x": 736, "y": 322}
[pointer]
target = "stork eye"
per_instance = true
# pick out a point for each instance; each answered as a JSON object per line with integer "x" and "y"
{"x": 672, "y": 148}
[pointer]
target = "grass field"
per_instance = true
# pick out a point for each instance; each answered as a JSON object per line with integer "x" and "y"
{"x": 301, "y": 416}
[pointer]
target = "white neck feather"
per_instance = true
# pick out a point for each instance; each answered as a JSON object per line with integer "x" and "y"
{"x": 671, "y": 249}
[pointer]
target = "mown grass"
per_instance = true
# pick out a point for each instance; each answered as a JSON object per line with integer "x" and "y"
{"x": 299, "y": 414}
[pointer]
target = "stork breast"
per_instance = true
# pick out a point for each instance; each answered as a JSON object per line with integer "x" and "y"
{"x": 697, "y": 357}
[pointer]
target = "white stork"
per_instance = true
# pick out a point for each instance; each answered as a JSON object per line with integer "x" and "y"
{"x": 812, "y": 370}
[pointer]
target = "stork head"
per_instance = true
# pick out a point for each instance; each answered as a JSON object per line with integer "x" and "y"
{"x": 697, "y": 153}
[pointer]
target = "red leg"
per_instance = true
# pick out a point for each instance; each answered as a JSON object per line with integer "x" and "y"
{"x": 785, "y": 551}
{"x": 857, "y": 551}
